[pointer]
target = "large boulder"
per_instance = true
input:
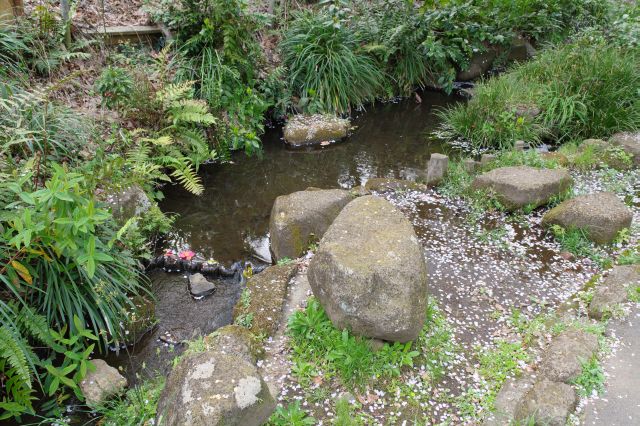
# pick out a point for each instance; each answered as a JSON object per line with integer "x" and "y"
{"x": 218, "y": 386}
{"x": 306, "y": 130}
{"x": 566, "y": 354}
{"x": 601, "y": 216}
{"x": 549, "y": 403}
{"x": 302, "y": 216}
{"x": 517, "y": 187}
{"x": 264, "y": 298}
{"x": 630, "y": 142}
{"x": 614, "y": 290}
{"x": 101, "y": 383}
{"x": 369, "y": 272}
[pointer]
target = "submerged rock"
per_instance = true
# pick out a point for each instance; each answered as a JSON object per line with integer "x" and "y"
{"x": 199, "y": 286}
{"x": 630, "y": 142}
{"x": 613, "y": 290}
{"x": 306, "y": 130}
{"x": 139, "y": 320}
{"x": 101, "y": 384}
{"x": 566, "y": 354}
{"x": 219, "y": 386}
{"x": 391, "y": 184}
{"x": 601, "y": 216}
{"x": 549, "y": 403}
{"x": 369, "y": 272}
{"x": 300, "y": 217}
{"x": 517, "y": 187}
{"x": 266, "y": 294}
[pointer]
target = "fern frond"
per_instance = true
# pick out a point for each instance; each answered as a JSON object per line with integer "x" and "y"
{"x": 194, "y": 111}
{"x": 185, "y": 174}
{"x": 14, "y": 349}
{"x": 172, "y": 93}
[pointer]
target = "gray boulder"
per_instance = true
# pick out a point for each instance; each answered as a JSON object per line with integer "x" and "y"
{"x": 199, "y": 286}
{"x": 601, "y": 216}
{"x": 630, "y": 142}
{"x": 127, "y": 203}
{"x": 219, "y": 386}
{"x": 509, "y": 400}
{"x": 479, "y": 64}
{"x": 549, "y": 403}
{"x": 565, "y": 355}
{"x": 101, "y": 384}
{"x": 299, "y": 217}
{"x": 369, "y": 272}
{"x": 517, "y": 187}
{"x": 306, "y": 130}
{"x": 613, "y": 290}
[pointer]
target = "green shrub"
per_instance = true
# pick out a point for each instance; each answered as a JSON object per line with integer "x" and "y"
{"x": 575, "y": 91}
{"x": 114, "y": 86}
{"x": 327, "y": 64}
{"x": 137, "y": 408}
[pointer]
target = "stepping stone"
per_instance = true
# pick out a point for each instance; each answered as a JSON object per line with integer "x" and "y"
{"x": 300, "y": 218}
{"x": 390, "y": 184}
{"x": 199, "y": 286}
{"x": 549, "y": 403}
{"x": 517, "y": 187}
{"x": 614, "y": 290}
{"x": 630, "y": 142}
{"x": 509, "y": 399}
{"x": 318, "y": 129}
{"x": 601, "y": 216}
{"x": 565, "y": 355}
{"x": 437, "y": 169}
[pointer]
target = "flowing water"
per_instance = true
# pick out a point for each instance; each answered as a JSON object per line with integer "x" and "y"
{"x": 229, "y": 222}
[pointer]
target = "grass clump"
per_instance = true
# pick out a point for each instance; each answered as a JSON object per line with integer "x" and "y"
{"x": 578, "y": 90}
{"x": 328, "y": 68}
{"x": 137, "y": 407}
{"x": 591, "y": 380}
{"x": 320, "y": 349}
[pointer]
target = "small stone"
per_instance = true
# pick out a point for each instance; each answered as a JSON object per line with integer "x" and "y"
{"x": 101, "y": 384}
{"x": 566, "y": 354}
{"x": 438, "y": 166}
{"x": 519, "y": 145}
{"x": 613, "y": 290}
{"x": 509, "y": 399}
{"x": 470, "y": 165}
{"x": 601, "y": 216}
{"x": 549, "y": 403}
{"x": 199, "y": 286}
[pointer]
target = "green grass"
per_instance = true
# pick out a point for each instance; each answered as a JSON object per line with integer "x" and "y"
{"x": 581, "y": 90}
{"x": 319, "y": 349}
{"x": 575, "y": 241}
{"x": 136, "y": 408}
{"x": 591, "y": 380}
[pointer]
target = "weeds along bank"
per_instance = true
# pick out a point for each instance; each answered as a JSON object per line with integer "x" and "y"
{"x": 68, "y": 265}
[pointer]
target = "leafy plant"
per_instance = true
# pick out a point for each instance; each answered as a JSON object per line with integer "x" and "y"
{"x": 114, "y": 86}
{"x": 326, "y": 62}
{"x": 292, "y": 415}
{"x": 137, "y": 407}
{"x": 591, "y": 380}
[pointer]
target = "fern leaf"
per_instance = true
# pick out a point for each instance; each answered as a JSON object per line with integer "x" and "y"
{"x": 185, "y": 174}
{"x": 15, "y": 351}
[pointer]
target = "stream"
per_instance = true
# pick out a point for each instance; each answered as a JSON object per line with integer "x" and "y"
{"x": 230, "y": 221}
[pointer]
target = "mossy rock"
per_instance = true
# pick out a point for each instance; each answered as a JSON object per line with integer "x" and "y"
{"x": 236, "y": 339}
{"x": 267, "y": 293}
{"x": 630, "y": 142}
{"x": 318, "y": 129}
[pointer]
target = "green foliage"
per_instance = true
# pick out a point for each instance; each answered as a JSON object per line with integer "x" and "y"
{"x": 575, "y": 240}
{"x": 292, "y": 415}
{"x": 327, "y": 64}
{"x": 559, "y": 85}
{"x": 114, "y": 86}
{"x": 316, "y": 342}
{"x": 591, "y": 380}
{"x": 136, "y": 408}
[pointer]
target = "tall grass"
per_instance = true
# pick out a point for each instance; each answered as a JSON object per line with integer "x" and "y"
{"x": 327, "y": 64}
{"x": 575, "y": 91}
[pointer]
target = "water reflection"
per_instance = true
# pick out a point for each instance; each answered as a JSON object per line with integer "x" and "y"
{"x": 230, "y": 220}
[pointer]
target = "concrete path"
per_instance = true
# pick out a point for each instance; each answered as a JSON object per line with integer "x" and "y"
{"x": 620, "y": 405}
